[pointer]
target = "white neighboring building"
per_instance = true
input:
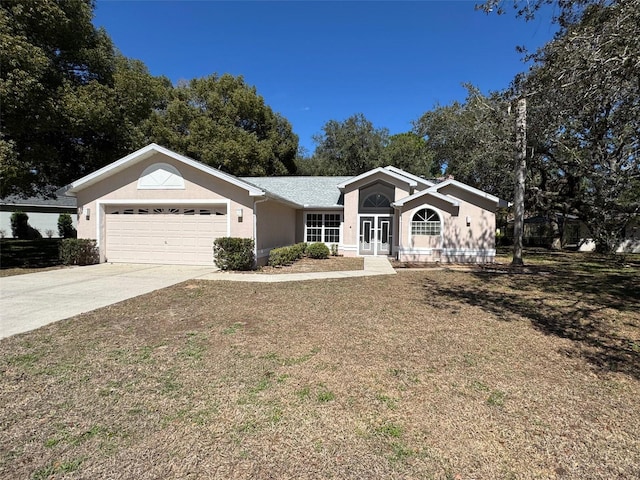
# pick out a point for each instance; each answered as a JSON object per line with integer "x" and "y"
{"x": 43, "y": 212}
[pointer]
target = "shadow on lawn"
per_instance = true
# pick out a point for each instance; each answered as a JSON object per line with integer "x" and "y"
{"x": 597, "y": 308}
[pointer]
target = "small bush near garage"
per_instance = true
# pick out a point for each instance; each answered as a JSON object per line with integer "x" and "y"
{"x": 279, "y": 257}
{"x": 232, "y": 253}
{"x": 79, "y": 251}
{"x": 317, "y": 250}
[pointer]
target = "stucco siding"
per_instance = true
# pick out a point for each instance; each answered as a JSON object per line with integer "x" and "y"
{"x": 458, "y": 241}
{"x": 276, "y": 226}
{"x": 122, "y": 189}
{"x": 350, "y": 225}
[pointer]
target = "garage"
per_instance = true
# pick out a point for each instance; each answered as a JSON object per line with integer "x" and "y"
{"x": 163, "y": 234}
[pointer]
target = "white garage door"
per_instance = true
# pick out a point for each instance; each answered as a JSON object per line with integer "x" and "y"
{"x": 163, "y": 234}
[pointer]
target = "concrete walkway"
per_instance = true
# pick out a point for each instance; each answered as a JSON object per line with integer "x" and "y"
{"x": 33, "y": 300}
{"x": 372, "y": 266}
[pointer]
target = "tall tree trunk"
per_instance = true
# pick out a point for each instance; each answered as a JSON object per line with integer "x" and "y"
{"x": 521, "y": 171}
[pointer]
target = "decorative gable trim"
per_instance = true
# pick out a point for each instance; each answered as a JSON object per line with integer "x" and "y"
{"x": 452, "y": 201}
{"x": 161, "y": 176}
{"x": 362, "y": 176}
{"x": 148, "y": 151}
{"x": 434, "y": 191}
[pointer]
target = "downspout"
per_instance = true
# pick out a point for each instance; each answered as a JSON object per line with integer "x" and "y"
{"x": 255, "y": 227}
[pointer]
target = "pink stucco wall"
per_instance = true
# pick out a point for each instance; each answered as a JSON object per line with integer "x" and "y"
{"x": 122, "y": 187}
{"x": 459, "y": 241}
{"x": 276, "y": 226}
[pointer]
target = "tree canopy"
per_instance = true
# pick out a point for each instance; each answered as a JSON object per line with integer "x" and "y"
{"x": 411, "y": 153}
{"x": 70, "y": 103}
{"x": 223, "y": 122}
{"x": 585, "y": 95}
{"x": 350, "y": 147}
{"x": 473, "y": 140}
{"x": 583, "y": 122}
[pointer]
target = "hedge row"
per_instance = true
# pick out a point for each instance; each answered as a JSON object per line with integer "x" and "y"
{"x": 282, "y": 256}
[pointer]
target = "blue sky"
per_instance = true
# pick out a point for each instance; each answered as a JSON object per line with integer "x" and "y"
{"x": 319, "y": 61}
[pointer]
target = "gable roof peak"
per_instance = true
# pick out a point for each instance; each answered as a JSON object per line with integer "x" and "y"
{"x": 147, "y": 151}
{"x": 403, "y": 178}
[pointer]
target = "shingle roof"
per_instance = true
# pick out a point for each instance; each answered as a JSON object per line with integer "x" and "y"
{"x": 320, "y": 192}
{"x": 60, "y": 200}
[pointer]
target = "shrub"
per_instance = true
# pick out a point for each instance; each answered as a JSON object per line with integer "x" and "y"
{"x": 79, "y": 251}
{"x": 334, "y": 249}
{"x": 279, "y": 257}
{"x": 318, "y": 250}
{"x": 21, "y": 229}
{"x": 300, "y": 249}
{"x": 65, "y": 226}
{"x": 232, "y": 253}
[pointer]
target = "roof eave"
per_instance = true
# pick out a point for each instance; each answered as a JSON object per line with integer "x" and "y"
{"x": 408, "y": 181}
{"x": 145, "y": 153}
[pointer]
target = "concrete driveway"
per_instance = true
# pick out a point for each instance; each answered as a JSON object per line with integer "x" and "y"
{"x": 36, "y": 299}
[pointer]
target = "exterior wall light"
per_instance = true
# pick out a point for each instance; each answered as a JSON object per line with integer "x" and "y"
{"x": 468, "y": 221}
{"x": 87, "y": 213}
{"x": 239, "y": 214}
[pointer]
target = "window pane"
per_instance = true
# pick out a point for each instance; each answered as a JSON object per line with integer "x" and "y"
{"x": 332, "y": 235}
{"x": 425, "y": 222}
{"x": 332, "y": 220}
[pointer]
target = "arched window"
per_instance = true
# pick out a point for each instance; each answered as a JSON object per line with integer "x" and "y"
{"x": 425, "y": 222}
{"x": 376, "y": 200}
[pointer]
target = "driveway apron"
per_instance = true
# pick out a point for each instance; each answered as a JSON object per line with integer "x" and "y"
{"x": 30, "y": 301}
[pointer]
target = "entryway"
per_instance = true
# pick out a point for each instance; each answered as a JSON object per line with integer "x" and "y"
{"x": 375, "y": 234}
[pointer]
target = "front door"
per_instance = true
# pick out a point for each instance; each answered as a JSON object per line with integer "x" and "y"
{"x": 375, "y": 235}
{"x": 383, "y": 237}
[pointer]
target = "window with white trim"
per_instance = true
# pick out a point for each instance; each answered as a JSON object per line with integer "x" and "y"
{"x": 425, "y": 222}
{"x": 376, "y": 200}
{"x": 323, "y": 227}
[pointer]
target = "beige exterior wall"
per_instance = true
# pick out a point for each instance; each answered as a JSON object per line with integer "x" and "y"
{"x": 276, "y": 227}
{"x": 355, "y": 193}
{"x": 300, "y": 220}
{"x": 458, "y": 241}
{"x": 350, "y": 223}
{"x": 199, "y": 188}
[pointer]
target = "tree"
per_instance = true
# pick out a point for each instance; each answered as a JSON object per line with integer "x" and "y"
{"x": 473, "y": 141}
{"x": 350, "y": 147}
{"x": 223, "y": 122}
{"x": 411, "y": 153}
{"x": 70, "y": 103}
{"x": 65, "y": 226}
{"x": 585, "y": 87}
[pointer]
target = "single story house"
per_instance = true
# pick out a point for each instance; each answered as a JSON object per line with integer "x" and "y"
{"x": 43, "y": 212}
{"x": 157, "y": 206}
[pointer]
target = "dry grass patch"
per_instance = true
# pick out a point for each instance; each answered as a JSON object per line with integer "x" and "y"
{"x": 10, "y": 272}
{"x": 432, "y": 374}
{"x": 306, "y": 264}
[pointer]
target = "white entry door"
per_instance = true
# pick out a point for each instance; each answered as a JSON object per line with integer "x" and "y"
{"x": 375, "y": 237}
